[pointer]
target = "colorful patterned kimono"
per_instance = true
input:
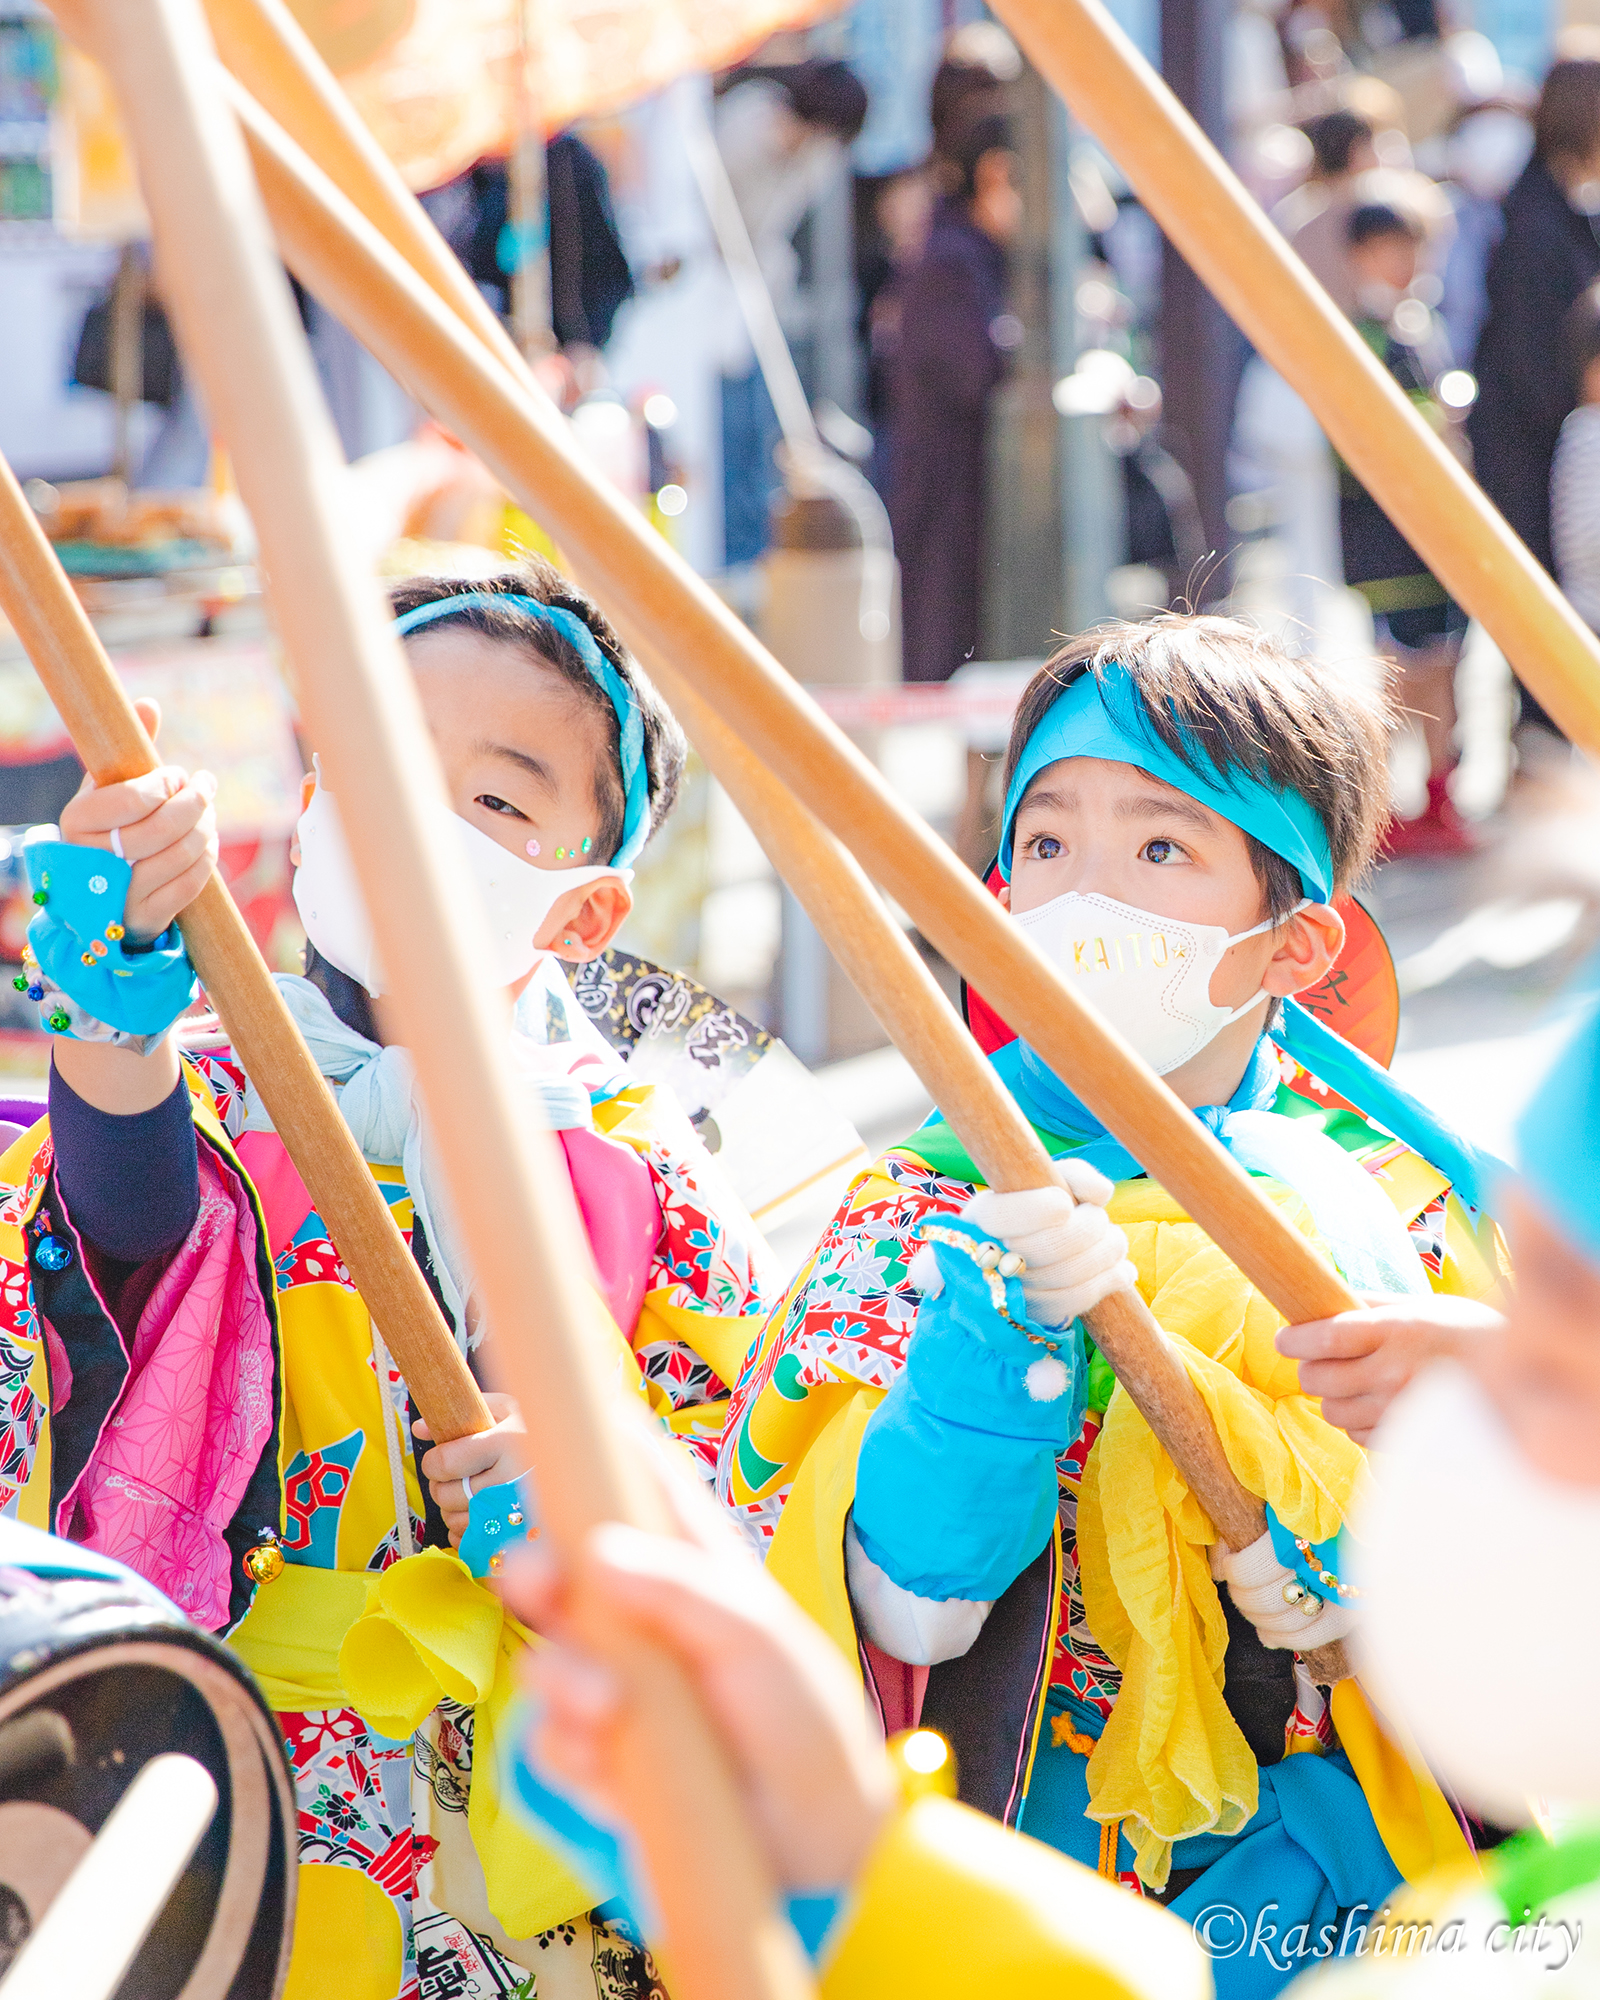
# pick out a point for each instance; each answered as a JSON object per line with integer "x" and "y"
{"x": 1093, "y": 1709}
{"x": 169, "y": 1413}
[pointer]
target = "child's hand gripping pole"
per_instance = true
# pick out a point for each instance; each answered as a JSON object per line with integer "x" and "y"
{"x": 112, "y": 742}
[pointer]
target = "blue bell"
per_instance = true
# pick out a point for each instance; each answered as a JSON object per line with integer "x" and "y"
{"x": 53, "y": 1253}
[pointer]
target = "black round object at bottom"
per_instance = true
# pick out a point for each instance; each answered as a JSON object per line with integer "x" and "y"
{"x": 97, "y": 1678}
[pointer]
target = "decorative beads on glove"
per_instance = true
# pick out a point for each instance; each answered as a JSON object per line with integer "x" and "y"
{"x": 987, "y": 1273}
{"x": 81, "y": 963}
{"x": 1288, "y": 1616}
{"x": 60, "y": 1014}
{"x": 1070, "y": 1254}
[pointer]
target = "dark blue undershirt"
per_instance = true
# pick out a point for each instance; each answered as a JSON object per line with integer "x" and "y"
{"x": 130, "y": 1184}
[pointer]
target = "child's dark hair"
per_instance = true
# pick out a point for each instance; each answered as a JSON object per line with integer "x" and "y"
{"x": 1334, "y": 137}
{"x": 1376, "y": 218}
{"x": 664, "y": 746}
{"x": 1580, "y": 334}
{"x": 1226, "y": 688}
{"x": 993, "y": 133}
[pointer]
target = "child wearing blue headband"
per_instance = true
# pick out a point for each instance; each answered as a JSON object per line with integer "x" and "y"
{"x": 218, "y": 1408}
{"x": 948, "y": 1478}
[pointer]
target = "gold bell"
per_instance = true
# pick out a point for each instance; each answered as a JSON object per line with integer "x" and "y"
{"x": 924, "y": 1765}
{"x": 264, "y": 1563}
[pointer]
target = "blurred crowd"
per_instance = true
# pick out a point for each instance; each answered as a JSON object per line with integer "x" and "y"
{"x": 1446, "y": 205}
{"x": 1447, "y": 208}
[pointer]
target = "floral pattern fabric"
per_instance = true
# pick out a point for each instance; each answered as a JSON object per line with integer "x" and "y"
{"x": 364, "y": 1802}
{"x": 847, "y": 1319}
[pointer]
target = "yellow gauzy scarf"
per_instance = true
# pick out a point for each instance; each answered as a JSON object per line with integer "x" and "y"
{"x": 1172, "y": 1762}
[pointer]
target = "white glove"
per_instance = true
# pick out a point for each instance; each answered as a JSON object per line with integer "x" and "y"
{"x": 1073, "y": 1254}
{"x": 1275, "y": 1600}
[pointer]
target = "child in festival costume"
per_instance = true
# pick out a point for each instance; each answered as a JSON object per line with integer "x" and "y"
{"x": 914, "y": 1431}
{"x": 195, "y": 1386}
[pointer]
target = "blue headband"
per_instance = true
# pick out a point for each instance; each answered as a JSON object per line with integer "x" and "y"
{"x": 1558, "y": 1135}
{"x": 1100, "y": 715}
{"x": 630, "y": 725}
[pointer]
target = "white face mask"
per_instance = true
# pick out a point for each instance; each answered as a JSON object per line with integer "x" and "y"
{"x": 516, "y": 896}
{"x": 1480, "y": 1620}
{"x": 1148, "y": 977}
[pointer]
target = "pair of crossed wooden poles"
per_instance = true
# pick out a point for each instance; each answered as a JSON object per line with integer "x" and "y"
{"x": 264, "y": 145}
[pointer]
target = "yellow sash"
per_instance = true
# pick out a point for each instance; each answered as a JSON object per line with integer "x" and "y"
{"x": 392, "y": 1644}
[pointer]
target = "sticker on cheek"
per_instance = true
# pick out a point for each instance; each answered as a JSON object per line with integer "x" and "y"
{"x": 533, "y": 848}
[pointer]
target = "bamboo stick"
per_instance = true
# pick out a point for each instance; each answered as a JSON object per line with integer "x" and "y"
{"x": 719, "y": 1930}
{"x": 668, "y": 612}
{"x": 108, "y": 736}
{"x": 263, "y": 43}
{"x": 1259, "y": 281}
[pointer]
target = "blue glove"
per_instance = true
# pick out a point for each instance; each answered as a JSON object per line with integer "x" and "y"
{"x": 77, "y": 942}
{"x": 498, "y": 1518}
{"x": 956, "y": 1486}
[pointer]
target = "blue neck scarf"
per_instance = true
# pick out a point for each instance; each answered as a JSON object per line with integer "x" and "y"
{"x": 1357, "y": 1223}
{"x": 1048, "y": 1103}
{"x": 1354, "y": 1218}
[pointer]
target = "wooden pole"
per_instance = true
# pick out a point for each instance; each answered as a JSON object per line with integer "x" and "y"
{"x": 1202, "y": 207}
{"x": 108, "y": 736}
{"x": 719, "y": 1930}
{"x": 669, "y": 613}
{"x": 266, "y": 47}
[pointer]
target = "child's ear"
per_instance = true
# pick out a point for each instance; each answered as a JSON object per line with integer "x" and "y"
{"x": 585, "y": 931}
{"x": 1308, "y": 945}
{"x": 308, "y": 784}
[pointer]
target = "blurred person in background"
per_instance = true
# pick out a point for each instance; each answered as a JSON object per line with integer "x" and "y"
{"x": 590, "y": 277}
{"x": 892, "y": 219}
{"x": 1575, "y": 472}
{"x": 1277, "y": 443}
{"x": 1418, "y": 625}
{"x": 973, "y": 81}
{"x": 1547, "y": 258}
{"x": 954, "y": 336}
{"x": 782, "y": 132}
{"x": 1315, "y": 216}
{"x": 1484, "y": 154}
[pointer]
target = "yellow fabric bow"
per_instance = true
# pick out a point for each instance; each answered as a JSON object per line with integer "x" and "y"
{"x": 392, "y": 1645}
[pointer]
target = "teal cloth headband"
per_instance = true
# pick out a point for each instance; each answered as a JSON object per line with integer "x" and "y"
{"x": 1558, "y": 1135}
{"x": 630, "y": 725}
{"x": 1100, "y": 715}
